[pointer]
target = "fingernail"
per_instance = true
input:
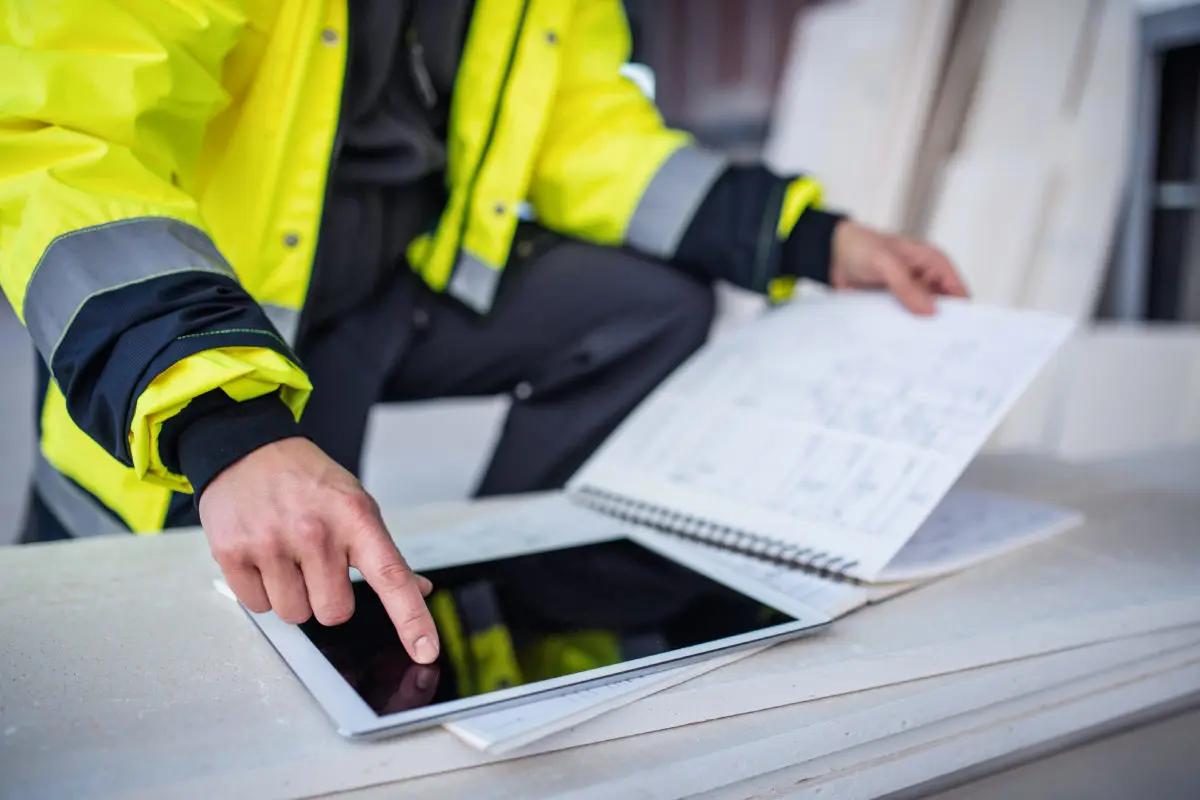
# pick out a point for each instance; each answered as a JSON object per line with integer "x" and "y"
{"x": 424, "y": 679}
{"x": 425, "y": 649}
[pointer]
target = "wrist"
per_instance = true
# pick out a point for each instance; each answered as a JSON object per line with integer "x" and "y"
{"x": 810, "y": 251}
{"x": 224, "y": 431}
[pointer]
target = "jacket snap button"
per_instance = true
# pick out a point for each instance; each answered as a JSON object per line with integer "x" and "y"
{"x": 551, "y": 37}
{"x": 499, "y": 208}
{"x": 291, "y": 239}
{"x": 523, "y": 391}
{"x": 329, "y": 36}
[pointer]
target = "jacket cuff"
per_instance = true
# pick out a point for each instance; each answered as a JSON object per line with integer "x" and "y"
{"x": 808, "y": 249}
{"x": 214, "y": 431}
{"x": 732, "y": 235}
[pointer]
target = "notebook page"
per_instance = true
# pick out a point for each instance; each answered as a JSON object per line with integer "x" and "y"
{"x": 970, "y": 526}
{"x": 836, "y": 422}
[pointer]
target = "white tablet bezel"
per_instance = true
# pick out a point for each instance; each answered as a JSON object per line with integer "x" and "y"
{"x": 354, "y": 718}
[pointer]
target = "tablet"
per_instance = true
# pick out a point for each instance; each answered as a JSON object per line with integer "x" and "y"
{"x": 532, "y": 624}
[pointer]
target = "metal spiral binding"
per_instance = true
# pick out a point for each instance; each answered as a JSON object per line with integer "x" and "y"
{"x": 820, "y": 562}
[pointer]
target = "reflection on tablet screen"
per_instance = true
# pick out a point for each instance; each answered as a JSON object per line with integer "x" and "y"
{"x": 534, "y": 617}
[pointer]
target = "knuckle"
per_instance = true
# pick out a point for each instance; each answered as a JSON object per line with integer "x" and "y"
{"x": 414, "y": 617}
{"x": 227, "y": 553}
{"x": 256, "y": 604}
{"x": 294, "y": 616}
{"x": 335, "y": 612}
{"x": 269, "y": 545}
{"x": 310, "y": 533}
{"x": 395, "y": 575}
{"x": 359, "y": 504}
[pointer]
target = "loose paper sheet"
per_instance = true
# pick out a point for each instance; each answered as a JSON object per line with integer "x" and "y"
{"x": 835, "y": 423}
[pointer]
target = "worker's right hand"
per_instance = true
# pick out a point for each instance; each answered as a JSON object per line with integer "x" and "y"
{"x": 912, "y": 270}
{"x": 285, "y": 523}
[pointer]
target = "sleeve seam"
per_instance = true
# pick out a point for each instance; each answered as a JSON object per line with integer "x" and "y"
{"x": 262, "y": 331}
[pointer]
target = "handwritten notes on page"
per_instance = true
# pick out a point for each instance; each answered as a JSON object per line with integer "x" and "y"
{"x": 835, "y": 423}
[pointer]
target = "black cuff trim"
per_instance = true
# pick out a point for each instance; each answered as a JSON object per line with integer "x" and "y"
{"x": 732, "y": 234}
{"x": 808, "y": 250}
{"x": 214, "y": 431}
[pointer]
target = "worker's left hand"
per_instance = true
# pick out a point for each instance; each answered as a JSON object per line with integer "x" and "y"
{"x": 913, "y": 271}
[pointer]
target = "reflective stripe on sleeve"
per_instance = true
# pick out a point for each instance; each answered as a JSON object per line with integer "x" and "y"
{"x": 90, "y": 261}
{"x": 670, "y": 201}
{"x": 474, "y": 282}
{"x": 74, "y": 508}
{"x": 285, "y": 320}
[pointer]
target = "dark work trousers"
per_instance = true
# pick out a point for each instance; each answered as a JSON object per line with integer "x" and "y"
{"x": 577, "y": 336}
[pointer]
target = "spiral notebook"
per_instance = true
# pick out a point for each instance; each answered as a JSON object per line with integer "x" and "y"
{"x": 825, "y": 433}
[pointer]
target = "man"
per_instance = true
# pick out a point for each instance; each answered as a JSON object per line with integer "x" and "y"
{"x": 214, "y": 216}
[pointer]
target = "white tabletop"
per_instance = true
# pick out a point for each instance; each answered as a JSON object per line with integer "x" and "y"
{"x": 122, "y": 673}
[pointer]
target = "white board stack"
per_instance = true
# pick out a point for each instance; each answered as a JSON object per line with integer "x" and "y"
{"x": 854, "y": 99}
{"x": 1000, "y": 130}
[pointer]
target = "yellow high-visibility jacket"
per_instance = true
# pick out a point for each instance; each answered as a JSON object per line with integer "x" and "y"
{"x": 163, "y": 166}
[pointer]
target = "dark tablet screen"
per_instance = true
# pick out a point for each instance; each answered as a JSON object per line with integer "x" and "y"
{"x": 533, "y": 617}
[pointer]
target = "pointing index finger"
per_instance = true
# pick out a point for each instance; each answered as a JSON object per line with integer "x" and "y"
{"x": 399, "y": 589}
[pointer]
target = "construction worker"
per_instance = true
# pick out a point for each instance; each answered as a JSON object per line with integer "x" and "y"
{"x": 216, "y": 215}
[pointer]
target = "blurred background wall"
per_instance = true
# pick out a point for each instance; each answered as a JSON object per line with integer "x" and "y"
{"x": 1052, "y": 148}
